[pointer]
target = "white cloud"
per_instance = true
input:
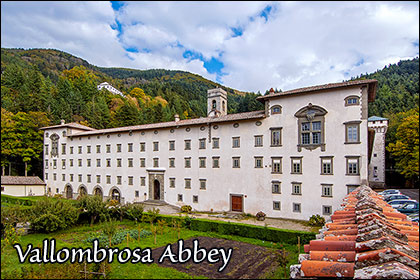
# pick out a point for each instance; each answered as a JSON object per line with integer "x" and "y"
{"x": 301, "y": 43}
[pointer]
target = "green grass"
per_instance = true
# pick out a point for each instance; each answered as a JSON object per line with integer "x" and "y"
{"x": 10, "y": 266}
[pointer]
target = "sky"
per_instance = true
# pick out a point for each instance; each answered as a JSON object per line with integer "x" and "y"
{"x": 248, "y": 46}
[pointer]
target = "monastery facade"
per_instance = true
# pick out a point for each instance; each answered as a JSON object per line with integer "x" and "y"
{"x": 298, "y": 157}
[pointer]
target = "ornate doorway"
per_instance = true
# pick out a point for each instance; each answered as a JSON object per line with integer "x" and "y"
{"x": 156, "y": 184}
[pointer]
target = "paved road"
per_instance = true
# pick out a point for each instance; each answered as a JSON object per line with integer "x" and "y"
{"x": 413, "y": 193}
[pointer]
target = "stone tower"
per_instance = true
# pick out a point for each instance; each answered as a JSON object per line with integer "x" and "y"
{"x": 377, "y": 160}
{"x": 216, "y": 102}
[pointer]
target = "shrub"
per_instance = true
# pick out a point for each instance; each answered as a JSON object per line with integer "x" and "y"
{"x": 134, "y": 211}
{"x": 186, "y": 209}
{"x": 48, "y": 215}
{"x": 244, "y": 230}
{"x": 260, "y": 215}
{"x": 316, "y": 220}
{"x": 48, "y": 223}
{"x": 151, "y": 215}
{"x": 93, "y": 206}
{"x": 14, "y": 214}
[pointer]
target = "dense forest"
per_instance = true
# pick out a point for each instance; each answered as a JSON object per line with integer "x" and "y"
{"x": 397, "y": 98}
{"x": 42, "y": 86}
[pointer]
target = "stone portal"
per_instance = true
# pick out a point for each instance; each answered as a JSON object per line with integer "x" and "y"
{"x": 156, "y": 184}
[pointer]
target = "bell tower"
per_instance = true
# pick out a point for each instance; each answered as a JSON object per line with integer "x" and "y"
{"x": 216, "y": 102}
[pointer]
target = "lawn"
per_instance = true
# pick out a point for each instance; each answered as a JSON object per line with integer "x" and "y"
{"x": 261, "y": 256}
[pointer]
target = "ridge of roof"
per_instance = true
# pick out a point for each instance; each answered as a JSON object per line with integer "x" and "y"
{"x": 318, "y": 88}
{"x": 376, "y": 118}
{"x": 72, "y": 124}
{"x": 197, "y": 121}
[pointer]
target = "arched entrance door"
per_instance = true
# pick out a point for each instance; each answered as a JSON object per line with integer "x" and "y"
{"x": 116, "y": 195}
{"x": 82, "y": 191}
{"x": 156, "y": 190}
{"x": 98, "y": 192}
{"x": 69, "y": 192}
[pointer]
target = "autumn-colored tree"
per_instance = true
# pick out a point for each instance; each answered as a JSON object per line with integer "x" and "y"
{"x": 406, "y": 148}
{"x": 21, "y": 138}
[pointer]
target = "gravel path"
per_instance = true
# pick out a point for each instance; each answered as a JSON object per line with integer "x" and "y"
{"x": 270, "y": 222}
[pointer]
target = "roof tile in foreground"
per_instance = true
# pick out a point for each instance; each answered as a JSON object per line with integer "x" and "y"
{"x": 367, "y": 239}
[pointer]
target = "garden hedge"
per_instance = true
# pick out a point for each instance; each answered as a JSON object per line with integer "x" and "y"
{"x": 15, "y": 200}
{"x": 244, "y": 230}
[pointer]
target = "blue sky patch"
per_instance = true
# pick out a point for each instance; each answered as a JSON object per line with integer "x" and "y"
{"x": 213, "y": 66}
{"x": 116, "y": 5}
{"x": 237, "y": 31}
{"x": 132, "y": 49}
{"x": 264, "y": 13}
{"x": 360, "y": 62}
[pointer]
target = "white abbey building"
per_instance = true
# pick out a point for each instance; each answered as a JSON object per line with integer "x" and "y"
{"x": 298, "y": 157}
{"x": 110, "y": 88}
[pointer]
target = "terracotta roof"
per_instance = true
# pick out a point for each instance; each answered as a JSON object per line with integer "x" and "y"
{"x": 311, "y": 89}
{"x": 367, "y": 239}
{"x": 197, "y": 121}
{"x": 21, "y": 180}
{"x": 73, "y": 125}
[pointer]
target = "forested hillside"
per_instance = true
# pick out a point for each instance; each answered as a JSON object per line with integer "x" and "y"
{"x": 397, "y": 99}
{"x": 42, "y": 86}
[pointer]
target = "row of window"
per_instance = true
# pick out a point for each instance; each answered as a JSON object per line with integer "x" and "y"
{"x": 297, "y": 208}
{"x": 258, "y": 142}
{"x": 276, "y": 185}
{"x": 311, "y": 133}
{"x": 352, "y": 163}
{"x": 326, "y": 189}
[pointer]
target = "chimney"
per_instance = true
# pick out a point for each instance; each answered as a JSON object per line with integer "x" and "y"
{"x": 63, "y": 121}
{"x": 271, "y": 90}
{"x": 176, "y": 117}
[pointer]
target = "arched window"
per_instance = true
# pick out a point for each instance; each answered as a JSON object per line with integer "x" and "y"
{"x": 223, "y": 106}
{"x": 311, "y": 127}
{"x": 276, "y": 109}
{"x": 213, "y": 106}
{"x": 54, "y": 144}
{"x": 351, "y": 100}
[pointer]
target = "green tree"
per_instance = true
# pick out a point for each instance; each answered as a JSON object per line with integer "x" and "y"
{"x": 21, "y": 137}
{"x": 406, "y": 148}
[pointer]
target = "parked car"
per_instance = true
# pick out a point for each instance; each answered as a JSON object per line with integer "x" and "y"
{"x": 396, "y": 196}
{"x": 399, "y": 202}
{"x": 390, "y": 191}
{"x": 409, "y": 207}
{"x": 414, "y": 217}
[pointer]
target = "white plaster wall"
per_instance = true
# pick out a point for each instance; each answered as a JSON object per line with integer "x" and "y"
{"x": 378, "y": 149}
{"x": 23, "y": 190}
